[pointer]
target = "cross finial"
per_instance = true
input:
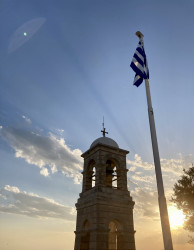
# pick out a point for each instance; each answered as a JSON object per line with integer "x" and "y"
{"x": 104, "y": 129}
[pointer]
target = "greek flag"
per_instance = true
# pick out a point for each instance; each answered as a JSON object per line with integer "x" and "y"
{"x": 139, "y": 65}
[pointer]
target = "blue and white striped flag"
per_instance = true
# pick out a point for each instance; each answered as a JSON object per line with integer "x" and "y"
{"x": 139, "y": 65}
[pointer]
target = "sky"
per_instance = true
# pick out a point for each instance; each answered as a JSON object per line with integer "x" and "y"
{"x": 64, "y": 66}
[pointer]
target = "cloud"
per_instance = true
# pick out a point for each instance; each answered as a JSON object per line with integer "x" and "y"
{"x": 146, "y": 203}
{"x": 44, "y": 171}
{"x": 143, "y": 178}
{"x": 15, "y": 201}
{"x": 138, "y": 163}
{"x": 26, "y": 119}
{"x": 140, "y": 173}
{"x": 143, "y": 173}
{"x": 60, "y": 132}
{"x": 142, "y": 182}
{"x": 45, "y": 151}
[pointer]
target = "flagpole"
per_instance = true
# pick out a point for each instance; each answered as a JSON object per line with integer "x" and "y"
{"x": 161, "y": 195}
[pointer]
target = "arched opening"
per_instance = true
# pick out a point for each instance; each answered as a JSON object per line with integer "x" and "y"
{"x": 114, "y": 181}
{"x": 85, "y": 238}
{"x": 90, "y": 178}
{"x": 111, "y": 174}
{"x": 113, "y": 236}
{"x": 93, "y": 177}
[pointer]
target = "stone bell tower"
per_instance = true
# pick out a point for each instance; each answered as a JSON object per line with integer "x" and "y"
{"x": 105, "y": 207}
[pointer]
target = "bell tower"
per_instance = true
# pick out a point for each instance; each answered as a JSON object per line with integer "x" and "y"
{"x": 105, "y": 207}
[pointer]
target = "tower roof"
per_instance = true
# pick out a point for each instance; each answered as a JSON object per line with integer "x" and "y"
{"x": 106, "y": 141}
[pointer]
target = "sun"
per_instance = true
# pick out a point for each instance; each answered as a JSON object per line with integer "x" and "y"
{"x": 176, "y": 217}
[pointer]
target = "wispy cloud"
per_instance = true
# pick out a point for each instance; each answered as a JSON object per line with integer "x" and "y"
{"x": 60, "y": 131}
{"x": 15, "y": 201}
{"x": 26, "y": 119}
{"x": 143, "y": 173}
{"x": 146, "y": 203}
{"x": 139, "y": 163}
{"x": 142, "y": 182}
{"x": 46, "y": 152}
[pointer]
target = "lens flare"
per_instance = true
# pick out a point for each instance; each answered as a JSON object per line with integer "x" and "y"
{"x": 24, "y": 33}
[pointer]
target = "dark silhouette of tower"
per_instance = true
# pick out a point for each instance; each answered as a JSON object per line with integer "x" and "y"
{"x": 105, "y": 207}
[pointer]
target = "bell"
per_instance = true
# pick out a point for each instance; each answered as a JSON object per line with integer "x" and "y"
{"x": 109, "y": 170}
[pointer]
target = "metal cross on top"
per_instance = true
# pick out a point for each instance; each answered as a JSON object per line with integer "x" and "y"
{"x": 104, "y": 129}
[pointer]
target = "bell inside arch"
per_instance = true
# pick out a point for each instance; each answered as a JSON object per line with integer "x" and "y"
{"x": 109, "y": 169}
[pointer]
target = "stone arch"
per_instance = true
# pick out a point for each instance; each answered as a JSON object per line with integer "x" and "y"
{"x": 90, "y": 164}
{"x": 85, "y": 238}
{"x": 90, "y": 175}
{"x": 114, "y": 159}
{"x": 115, "y": 230}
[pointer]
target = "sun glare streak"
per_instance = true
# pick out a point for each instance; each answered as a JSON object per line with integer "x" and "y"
{"x": 176, "y": 217}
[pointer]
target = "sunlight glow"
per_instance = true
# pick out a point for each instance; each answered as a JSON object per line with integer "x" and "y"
{"x": 176, "y": 217}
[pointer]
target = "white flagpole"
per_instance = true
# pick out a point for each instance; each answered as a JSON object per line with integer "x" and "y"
{"x": 161, "y": 196}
